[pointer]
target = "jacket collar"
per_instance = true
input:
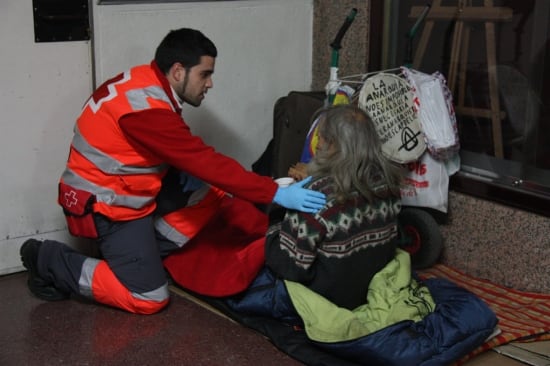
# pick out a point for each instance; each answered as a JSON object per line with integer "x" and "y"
{"x": 166, "y": 86}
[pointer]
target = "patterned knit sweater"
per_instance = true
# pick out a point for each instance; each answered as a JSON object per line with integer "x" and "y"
{"x": 337, "y": 251}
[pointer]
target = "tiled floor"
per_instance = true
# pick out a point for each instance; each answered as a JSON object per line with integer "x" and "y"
{"x": 72, "y": 332}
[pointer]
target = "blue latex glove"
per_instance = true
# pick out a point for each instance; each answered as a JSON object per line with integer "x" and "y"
{"x": 299, "y": 198}
{"x": 190, "y": 183}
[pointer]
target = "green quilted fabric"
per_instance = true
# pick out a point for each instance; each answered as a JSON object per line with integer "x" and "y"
{"x": 393, "y": 296}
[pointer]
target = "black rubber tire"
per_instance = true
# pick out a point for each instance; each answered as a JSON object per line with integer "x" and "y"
{"x": 419, "y": 235}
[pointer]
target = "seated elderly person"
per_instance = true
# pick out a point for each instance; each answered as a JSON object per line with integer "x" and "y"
{"x": 337, "y": 251}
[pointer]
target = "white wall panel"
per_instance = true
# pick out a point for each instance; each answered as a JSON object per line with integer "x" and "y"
{"x": 264, "y": 52}
{"x": 42, "y": 88}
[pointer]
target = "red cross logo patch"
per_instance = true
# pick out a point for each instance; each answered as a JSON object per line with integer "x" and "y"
{"x": 70, "y": 198}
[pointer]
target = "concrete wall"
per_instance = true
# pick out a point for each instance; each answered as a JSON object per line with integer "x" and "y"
{"x": 328, "y": 17}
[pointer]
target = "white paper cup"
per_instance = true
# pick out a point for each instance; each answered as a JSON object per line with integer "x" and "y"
{"x": 284, "y": 181}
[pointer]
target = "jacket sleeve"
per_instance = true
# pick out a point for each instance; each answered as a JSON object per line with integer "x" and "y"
{"x": 165, "y": 135}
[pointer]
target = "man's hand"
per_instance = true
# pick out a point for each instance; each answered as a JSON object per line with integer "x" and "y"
{"x": 299, "y": 198}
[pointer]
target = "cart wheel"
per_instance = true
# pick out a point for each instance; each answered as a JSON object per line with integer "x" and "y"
{"x": 420, "y": 236}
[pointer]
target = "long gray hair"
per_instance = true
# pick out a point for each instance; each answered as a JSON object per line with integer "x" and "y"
{"x": 352, "y": 155}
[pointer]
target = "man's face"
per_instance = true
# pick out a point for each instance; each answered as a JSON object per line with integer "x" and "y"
{"x": 192, "y": 84}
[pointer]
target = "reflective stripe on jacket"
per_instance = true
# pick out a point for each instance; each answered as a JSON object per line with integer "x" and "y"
{"x": 124, "y": 180}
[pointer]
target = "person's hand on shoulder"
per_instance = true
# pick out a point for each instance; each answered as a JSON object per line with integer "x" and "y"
{"x": 299, "y": 198}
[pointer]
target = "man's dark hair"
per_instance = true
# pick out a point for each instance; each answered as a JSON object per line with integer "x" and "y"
{"x": 185, "y": 46}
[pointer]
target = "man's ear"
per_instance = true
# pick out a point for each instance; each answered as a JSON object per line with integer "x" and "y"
{"x": 176, "y": 72}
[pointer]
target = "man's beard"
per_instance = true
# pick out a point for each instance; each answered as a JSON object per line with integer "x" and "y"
{"x": 194, "y": 103}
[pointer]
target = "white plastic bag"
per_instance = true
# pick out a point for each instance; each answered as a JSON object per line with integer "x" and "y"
{"x": 436, "y": 112}
{"x": 426, "y": 184}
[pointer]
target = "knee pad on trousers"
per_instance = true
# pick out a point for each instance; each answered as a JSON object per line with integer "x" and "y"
{"x": 107, "y": 289}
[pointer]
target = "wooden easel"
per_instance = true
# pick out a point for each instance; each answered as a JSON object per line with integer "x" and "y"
{"x": 464, "y": 13}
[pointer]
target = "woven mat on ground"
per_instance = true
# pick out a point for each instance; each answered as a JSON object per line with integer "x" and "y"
{"x": 523, "y": 316}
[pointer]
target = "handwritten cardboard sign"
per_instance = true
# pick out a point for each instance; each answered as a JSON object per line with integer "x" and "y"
{"x": 389, "y": 101}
